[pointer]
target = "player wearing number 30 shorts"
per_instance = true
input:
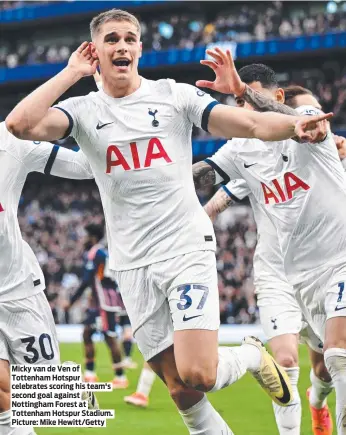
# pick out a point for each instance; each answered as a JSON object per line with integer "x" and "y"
{"x": 27, "y": 330}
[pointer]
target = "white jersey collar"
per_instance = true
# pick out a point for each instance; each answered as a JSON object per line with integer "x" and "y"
{"x": 128, "y": 98}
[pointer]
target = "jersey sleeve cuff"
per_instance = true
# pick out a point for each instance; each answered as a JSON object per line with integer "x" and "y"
{"x": 206, "y": 114}
{"x": 223, "y": 175}
{"x": 230, "y": 194}
{"x": 70, "y": 120}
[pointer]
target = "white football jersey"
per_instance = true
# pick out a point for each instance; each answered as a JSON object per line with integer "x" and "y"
{"x": 302, "y": 189}
{"x": 139, "y": 148}
{"x": 20, "y": 273}
{"x": 268, "y": 262}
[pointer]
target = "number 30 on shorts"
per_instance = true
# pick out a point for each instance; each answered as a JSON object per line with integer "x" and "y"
{"x": 186, "y": 298}
{"x": 32, "y": 347}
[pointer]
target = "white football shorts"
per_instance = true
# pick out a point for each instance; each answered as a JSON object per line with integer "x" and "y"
{"x": 323, "y": 297}
{"x": 279, "y": 311}
{"x": 176, "y": 294}
{"x": 27, "y": 332}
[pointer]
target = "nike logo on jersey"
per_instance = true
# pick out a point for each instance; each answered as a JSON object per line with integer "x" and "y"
{"x": 339, "y": 308}
{"x": 185, "y": 319}
{"x": 99, "y": 126}
{"x": 284, "y": 158}
{"x": 286, "y": 396}
{"x": 248, "y": 166}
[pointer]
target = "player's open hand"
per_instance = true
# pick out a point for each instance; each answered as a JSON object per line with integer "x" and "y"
{"x": 227, "y": 78}
{"x": 82, "y": 60}
{"x": 307, "y": 126}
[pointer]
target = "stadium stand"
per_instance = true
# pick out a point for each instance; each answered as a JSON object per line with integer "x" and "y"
{"x": 302, "y": 41}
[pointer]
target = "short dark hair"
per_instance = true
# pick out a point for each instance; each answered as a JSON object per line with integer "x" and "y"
{"x": 95, "y": 230}
{"x": 293, "y": 91}
{"x": 112, "y": 15}
{"x": 257, "y": 72}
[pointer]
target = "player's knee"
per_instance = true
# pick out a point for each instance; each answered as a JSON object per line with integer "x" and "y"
{"x": 335, "y": 360}
{"x": 321, "y": 371}
{"x": 286, "y": 359}
{"x": 199, "y": 378}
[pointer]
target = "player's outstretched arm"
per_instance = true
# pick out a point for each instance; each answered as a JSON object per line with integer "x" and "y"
{"x": 226, "y": 121}
{"x": 218, "y": 203}
{"x": 33, "y": 118}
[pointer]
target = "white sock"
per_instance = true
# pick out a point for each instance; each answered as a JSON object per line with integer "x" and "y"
{"x": 202, "y": 419}
{"x": 146, "y": 381}
{"x": 319, "y": 391}
{"x": 288, "y": 418}
{"x": 6, "y": 429}
{"x": 233, "y": 363}
{"x": 335, "y": 360}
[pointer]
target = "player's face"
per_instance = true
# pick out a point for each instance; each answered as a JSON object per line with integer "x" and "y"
{"x": 117, "y": 46}
{"x": 306, "y": 100}
{"x": 274, "y": 94}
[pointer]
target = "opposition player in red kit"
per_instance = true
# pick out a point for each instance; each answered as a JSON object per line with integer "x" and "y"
{"x": 136, "y": 134}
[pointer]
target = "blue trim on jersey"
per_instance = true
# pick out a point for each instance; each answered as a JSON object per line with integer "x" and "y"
{"x": 70, "y": 120}
{"x": 206, "y": 114}
{"x": 230, "y": 194}
{"x": 222, "y": 174}
{"x": 51, "y": 159}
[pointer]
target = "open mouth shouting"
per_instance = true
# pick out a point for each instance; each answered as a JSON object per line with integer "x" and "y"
{"x": 122, "y": 63}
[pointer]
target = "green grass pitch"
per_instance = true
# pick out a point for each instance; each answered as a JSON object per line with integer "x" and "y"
{"x": 245, "y": 407}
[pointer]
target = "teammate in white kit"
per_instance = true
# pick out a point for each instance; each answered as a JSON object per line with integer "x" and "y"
{"x": 136, "y": 135}
{"x": 280, "y": 314}
{"x": 27, "y": 330}
{"x": 302, "y": 189}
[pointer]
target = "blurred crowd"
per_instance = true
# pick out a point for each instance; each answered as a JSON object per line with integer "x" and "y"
{"x": 255, "y": 21}
{"x": 19, "y": 4}
{"x": 53, "y": 217}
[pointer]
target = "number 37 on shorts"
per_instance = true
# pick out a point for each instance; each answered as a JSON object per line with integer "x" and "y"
{"x": 194, "y": 306}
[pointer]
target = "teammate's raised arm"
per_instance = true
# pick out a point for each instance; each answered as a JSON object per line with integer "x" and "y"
{"x": 33, "y": 117}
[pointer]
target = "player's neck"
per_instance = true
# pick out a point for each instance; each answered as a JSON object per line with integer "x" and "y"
{"x": 119, "y": 89}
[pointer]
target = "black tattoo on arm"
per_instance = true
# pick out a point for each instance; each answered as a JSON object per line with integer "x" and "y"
{"x": 203, "y": 175}
{"x": 261, "y": 103}
{"x": 217, "y": 204}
